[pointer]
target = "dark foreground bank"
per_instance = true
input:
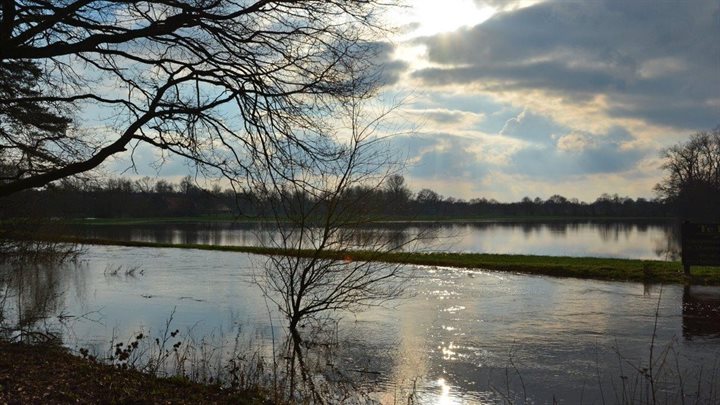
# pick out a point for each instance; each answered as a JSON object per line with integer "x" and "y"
{"x": 47, "y": 374}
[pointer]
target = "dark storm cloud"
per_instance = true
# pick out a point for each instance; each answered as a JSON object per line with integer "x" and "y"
{"x": 658, "y": 61}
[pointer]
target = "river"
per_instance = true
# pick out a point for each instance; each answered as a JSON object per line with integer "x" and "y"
{"x": 657, "y": 240}
{"x": 459, "y": 336}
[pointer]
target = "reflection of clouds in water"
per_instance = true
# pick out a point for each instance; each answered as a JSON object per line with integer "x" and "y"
{"x": 602, "y": 239}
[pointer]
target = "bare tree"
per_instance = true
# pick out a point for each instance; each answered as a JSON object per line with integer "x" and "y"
{"x": 321, "y": 211}
{"x": 331, "y": 261}
{"x": 224, "y": 83}
{"x": 692, "y": 182}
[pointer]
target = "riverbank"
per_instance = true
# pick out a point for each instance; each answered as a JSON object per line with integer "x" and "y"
{"x": 652, "y": 271}
{"x": 50, "y": 374}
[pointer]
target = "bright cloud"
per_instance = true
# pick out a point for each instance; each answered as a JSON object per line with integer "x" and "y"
{"x": 570, "y": 93}
{"x": 524, "y": 97}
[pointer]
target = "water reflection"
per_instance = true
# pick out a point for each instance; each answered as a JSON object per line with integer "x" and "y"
{"x": 667, "y": 246}
{"x": 463, "y": 336}
{"x": 32, "y": 299}
{"x": 637, "y": 240}
{"x": 701, "y": 312}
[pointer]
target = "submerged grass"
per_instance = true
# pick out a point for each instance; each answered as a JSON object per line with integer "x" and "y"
{"x": 579, "y": 267}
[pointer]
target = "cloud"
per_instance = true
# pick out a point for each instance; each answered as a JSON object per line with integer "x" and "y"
{"x": 654, "y": 61}
{"x": 384, "y": 68}
{"x": 513, "y": 187}
{"x": 444, "y": 156}
{"x": 505, "y": 4}
{"x": 579, "y": 154}
{"x": 529, "y": 145}
{"x": 532, "y": 127}
{"x": 443, "y": 117}
{"x": 564, "y": 161}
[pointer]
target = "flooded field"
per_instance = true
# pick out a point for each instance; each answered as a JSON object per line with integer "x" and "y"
{"x": 459, "y": 336}
{"x": 631, "y": 240}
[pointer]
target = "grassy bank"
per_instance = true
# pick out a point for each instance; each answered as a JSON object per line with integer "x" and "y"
{"x": 49, "y": 374}
{"x": 578, "y": 267}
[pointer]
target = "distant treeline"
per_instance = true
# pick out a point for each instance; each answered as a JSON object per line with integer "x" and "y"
{"x": 124, "y": 198}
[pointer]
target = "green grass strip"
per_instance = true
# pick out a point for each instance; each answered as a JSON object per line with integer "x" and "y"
{"x": 652, "y": 271}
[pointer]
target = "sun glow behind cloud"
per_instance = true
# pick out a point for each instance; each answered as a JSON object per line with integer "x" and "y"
{"x": 429, "y": 17}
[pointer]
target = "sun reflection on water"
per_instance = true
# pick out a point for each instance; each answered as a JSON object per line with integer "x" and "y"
{"x": 445, "y": 397}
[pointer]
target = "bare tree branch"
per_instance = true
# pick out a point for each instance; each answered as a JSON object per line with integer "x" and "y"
{"x": 225, "y": 83}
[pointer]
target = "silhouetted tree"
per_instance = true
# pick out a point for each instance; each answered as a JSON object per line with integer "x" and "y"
{"x": 320, "y": 210}
{"x": 692, "y": 181}
{"x": 145, "y": 185}
{"x": 163, "y": 186}
{"x": 398, "y": 194}
{"x": 223, "y": 83}
{"x": 427, "y": 196}
{"x": 33, "y": 131}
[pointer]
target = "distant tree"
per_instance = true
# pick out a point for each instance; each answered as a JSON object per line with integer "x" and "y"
{"x": 164, "y": 187}
{"x": 145, "y": 185}
{"x": 427, "y": 196}
{"x": 428, "y": 202}
{"x": 120, "y": 185}
{"x": 692, "y": 179}
{"x": 187, "y": 186}
{"x": 557, "y": 199}
{"x": 398, "y": 194}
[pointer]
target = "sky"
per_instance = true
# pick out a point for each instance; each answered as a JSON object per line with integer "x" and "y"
{"x": 514, "y": 98}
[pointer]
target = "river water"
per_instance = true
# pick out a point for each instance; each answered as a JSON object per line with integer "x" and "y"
{"x": 635, "y": 240}
{"x": 460, "y": 336}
